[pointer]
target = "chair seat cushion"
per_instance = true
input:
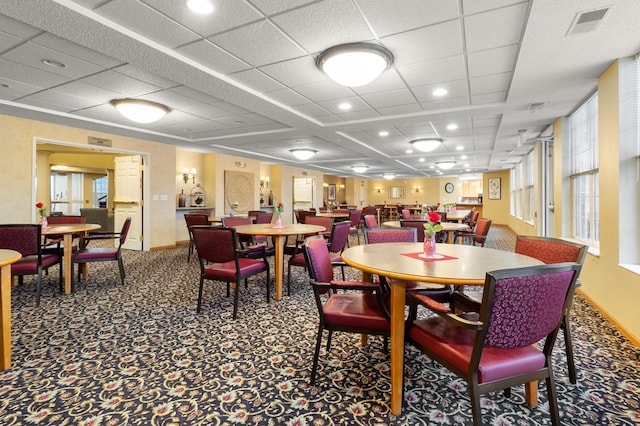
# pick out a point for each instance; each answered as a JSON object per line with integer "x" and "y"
{"x": 455, "y": 344}
{"x": 101, "y": 253}
{"x": 29, "y": 264}
{"x": 336, "y": 258}
{"x": 298, "y": 260}
{"x": 227, "y": 270}
{"x": 354, "y": 310}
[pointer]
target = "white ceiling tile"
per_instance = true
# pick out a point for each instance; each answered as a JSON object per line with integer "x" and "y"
{"x": 258, "y": 44}
{"x": 145, "y": 76}
{"x": 496, "y": 28}
{"x": 399, "y": 109}
{"x": 29, "y": 75}
{"x": 391, "y": 17}
{"x": 288, "y": 97}
{"x": 195, "y": 94}
{"x": 456, "y": 89}
{"x": 389, "y": 80}
{"x": 493, "y": 61}
{"x": 426, "y": 44}
{"x": 313, "y": 110}
{"x": 155, "y": 25}
{"x": 272, "y": 7}
{"x": 490, "y": 83}
{"x": 257, "y": 80}
{"x": 12, "y": 89}
{"x": 206, "y": 111}
{"x": 324, "y": 91}
{"x": 390, "y": 99}
{"x": 125, "y": 85}
{"x": 473, "y": 6}
{"x": 438, "y": 71}
{"x": 487, "y": 98}
{"x": 53, "y": 97}
{"x": 8, "y": 41}
{"x": 75, "y": 50}
{"x": 93, "y": 94}
{"x": 17, "y": 28}
{"x": 338, "y": 20}
{"x": 32, "y": 54}
{"x": 213, "y": 57}
{"x": 295, "y": 72}
{"x": 357, "y": 104}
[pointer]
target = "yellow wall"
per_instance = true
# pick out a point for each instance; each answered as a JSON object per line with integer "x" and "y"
{"x": 499, "y": 211}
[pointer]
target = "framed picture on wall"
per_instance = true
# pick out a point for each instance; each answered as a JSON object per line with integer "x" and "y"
{"x": 494, "y": 188}
{"x": 331, "y": 192}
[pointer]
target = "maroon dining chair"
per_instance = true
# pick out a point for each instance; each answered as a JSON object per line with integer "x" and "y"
{"x": 494, "y": 348}
{"x": 194, "y": 219}
{"x": 355, "y": 217}
{"x": 360, "y": 310}
{"x": 26, "y": 240}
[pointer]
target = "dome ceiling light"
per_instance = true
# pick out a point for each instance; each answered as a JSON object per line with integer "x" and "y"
{"x": 427, "y": 144}
{"x": 303, "y": 153}
{"x": 360, "y": 169}
{"x": 139, "y": 110}
{"x": 354, "y": 64}
{"x": 445, "y": 165}
{"x": 389, "y": 176}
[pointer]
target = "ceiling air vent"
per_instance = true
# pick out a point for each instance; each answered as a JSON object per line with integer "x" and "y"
{"x": 587, "y": 21}
{"x": 535, "y": 106}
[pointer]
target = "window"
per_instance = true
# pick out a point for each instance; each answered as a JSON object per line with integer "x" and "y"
{"x": 583, "y": 172}
{"x": 63, "y": 185}
{"x": 529, "y": 195}
{"x": 518, "y": 190}
{"x": 100, "y": 187}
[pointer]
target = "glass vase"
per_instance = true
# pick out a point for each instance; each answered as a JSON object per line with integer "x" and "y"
{"x": 278, "y": 221}
{"x": 429, "y": 246}
{"x": 43, "y": 221}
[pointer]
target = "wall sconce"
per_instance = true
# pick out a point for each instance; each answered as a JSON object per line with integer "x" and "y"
{"x": 377, "y": 189}
{"x": 264, "y": 181}
{"x": 189, "y": 174}
{"x": 340, "y": 187}
{"x": 325, "y": 185}
{"x": 416, "y": 189}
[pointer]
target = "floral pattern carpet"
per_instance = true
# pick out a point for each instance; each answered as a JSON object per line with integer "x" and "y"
{"x": 140, "y": 355}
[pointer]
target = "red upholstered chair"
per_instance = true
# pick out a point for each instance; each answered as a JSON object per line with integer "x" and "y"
{"x": 222, "y": 260}
{"x": 103, "y": 254}
{"x": 352, "y": 312}
{"x": 25, "y": 239}
{"x": 370, "y": 221}
{"x": 297, "y": 257}
{"x": 193, "y": 219}
{"x": 338, "y": 241}
{"x": 355, "y": 216}
{"x": 478, "y": 235}
{"x": 406, "y": 214}
{"x": 418, "y": 224}
{"x": 493, "y": 349}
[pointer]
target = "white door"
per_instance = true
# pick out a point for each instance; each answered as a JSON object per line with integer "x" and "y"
{"x": 128, "y": 198}
{"x": 303, "y": 197}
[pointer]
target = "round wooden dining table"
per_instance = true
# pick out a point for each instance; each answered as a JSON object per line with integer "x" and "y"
{"x": 449, "y": 227}
{"x": 7, "y": 257}
{"x": 279, "y": 238}
{"x": 67, "y": 231}
{"x": 400, "y": 262}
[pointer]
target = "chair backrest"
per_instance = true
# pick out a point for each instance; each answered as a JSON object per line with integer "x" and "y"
{"x": 390, "y": 235}
{"x": 472, "y": 218}
{"x": 523, "y": 305}
{"x": 327, "y": 222}
{"x": 316, "y": 254}
{"x": 65, "y": 219}
{"x": 24, "y": 239}
{"x": 255, "y": 213}
{"x": 196, "y": 219}
{"x": 215, "y": 244}
{"x": 406, "y": 214}
{"x": 264, "y": 218}
{"x": 482, "y": 230}
{"x": 369, "y": 210}
{"x": 551, "y": 250}
{"x": 303, "y": 215}
{"x": 124, "y": 231}
{"x": 339, "y": 236}
{"x": 370, "y": 221}
{"x": 232, "y": 221}
{"x": 417, "y": 224}
{"x": 354, "y": 217}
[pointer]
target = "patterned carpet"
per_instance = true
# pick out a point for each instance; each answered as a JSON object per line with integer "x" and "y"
{"x": 140, "y": 355}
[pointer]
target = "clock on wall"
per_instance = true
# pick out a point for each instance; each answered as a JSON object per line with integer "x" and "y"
{"x": 448, "y": 187}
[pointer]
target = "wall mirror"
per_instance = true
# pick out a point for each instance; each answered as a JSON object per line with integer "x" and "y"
{"x": 396, "y": 192}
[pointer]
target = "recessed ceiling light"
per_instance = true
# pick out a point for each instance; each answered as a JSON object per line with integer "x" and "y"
{"x": 452, "y": 126}
{"x": 354, "y": 64}
{"x": 421, "y": 159}
{"x": 427, "y": 144}
{"x": 409, "y": 151}
{"x": 203, "y": 7}
{"x": 139, "y": 110}
{"x": 440, "y": 92}
{"x": 53, "y": 63}
{"x": 463, "y": 157}
{"x": 238, "y": 122}
{"x": 345, "y": 106}
{"x": 466, "y": 165}
{"x": 303, "y": 153}
{"x": 459, "y": 148}
{"x": 383, "y": 133}
{"x": 5, "y": 85}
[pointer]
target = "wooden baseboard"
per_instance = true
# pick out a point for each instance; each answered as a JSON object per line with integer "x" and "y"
{"x": 622, "y": 329}
{"x": 162, "y": 247}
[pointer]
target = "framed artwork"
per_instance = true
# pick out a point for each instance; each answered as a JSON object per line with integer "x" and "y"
{"x": 331, "y": 192}
{"x": 494, "y": 188}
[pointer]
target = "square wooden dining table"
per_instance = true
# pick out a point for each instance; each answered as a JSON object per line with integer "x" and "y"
{"x": 400, "y": 262}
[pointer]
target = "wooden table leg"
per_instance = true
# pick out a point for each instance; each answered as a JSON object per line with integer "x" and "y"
{"x": 398, "y": 294}
{"x": 67, "y": 262}
{"x": 364, "y": 338}
{"x": 5, "y": 317}
{"x": 279, "y": 263}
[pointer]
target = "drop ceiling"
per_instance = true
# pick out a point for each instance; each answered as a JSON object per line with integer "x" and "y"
{"x": 243, "y": 80}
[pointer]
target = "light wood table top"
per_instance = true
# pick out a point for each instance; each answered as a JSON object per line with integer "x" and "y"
{"x": 279, "y": 236}
{"x": 457, "y": 215}
{"x": 334, "y": 215}
{"x": 389, "y": 259}
{"x": 67, "y": 232}
{"x": 7, "y": 257}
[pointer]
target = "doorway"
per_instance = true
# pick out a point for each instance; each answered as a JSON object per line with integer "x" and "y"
{"x": 303, "y": 192}
{"x": 84, "y": 158}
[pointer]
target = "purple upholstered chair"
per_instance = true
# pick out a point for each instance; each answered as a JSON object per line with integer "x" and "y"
{"x": 352, "y": 312}
{"x": 493, "y": 349}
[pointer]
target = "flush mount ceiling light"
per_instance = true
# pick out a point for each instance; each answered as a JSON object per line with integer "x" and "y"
{"x": 139, "y": 110}
{"x": 303, "y": 153}
{"x": 354, "y": 64}
{"x": 203, "y": 7}
{"x": 446, "y": 165}
{"x": 360, "y": 169}
{"x": 427, "y": 144}
{"x": 389, "y": 176}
